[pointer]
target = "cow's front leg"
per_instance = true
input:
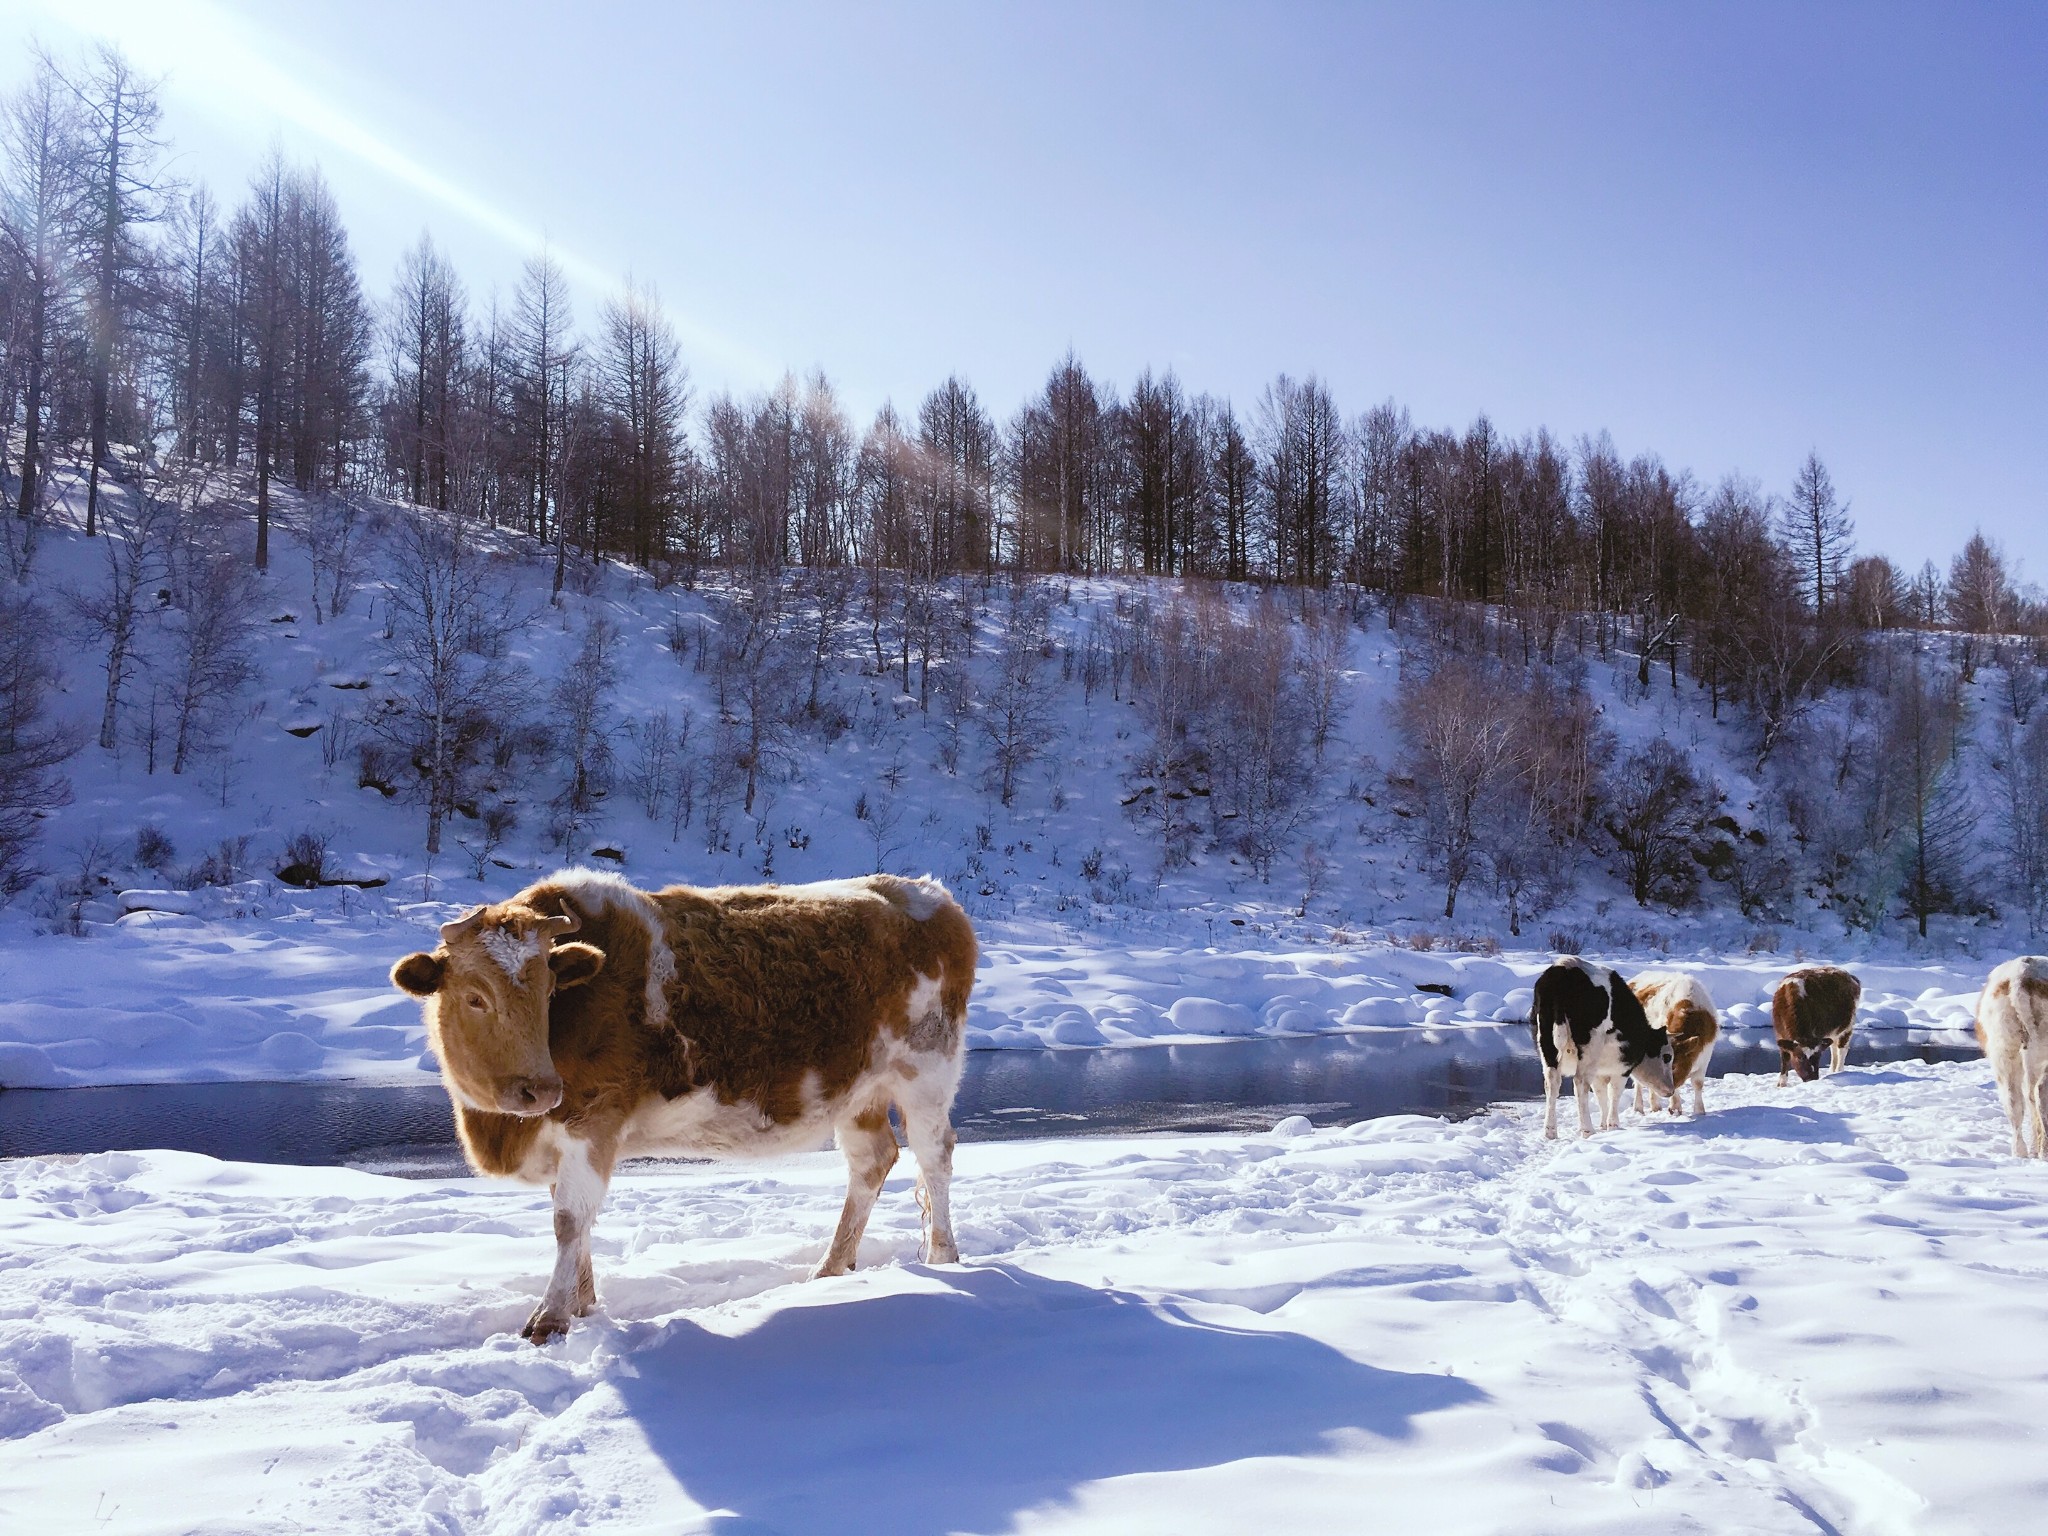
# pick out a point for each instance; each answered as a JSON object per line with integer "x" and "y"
{"x": 870, "y": 1147}
{"x": 580, "y": 1182}
{"x": 1838, "y": 1055}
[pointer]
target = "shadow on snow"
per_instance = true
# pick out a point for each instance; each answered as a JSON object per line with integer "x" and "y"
{"x": 956, "y": 1410}
{"x": 1761, "y": 1122}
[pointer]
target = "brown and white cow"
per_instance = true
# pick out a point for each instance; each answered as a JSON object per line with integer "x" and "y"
{"x": 1814, "y": 1007}
{"x": 1590, "y": 1027}
{"x": 729, "y": 1022}
{"x": 1679, "y": 1005}
{"x": 2012, "y": 1026}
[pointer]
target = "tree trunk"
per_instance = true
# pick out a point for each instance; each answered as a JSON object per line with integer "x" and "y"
{"x": 32, "y": 431}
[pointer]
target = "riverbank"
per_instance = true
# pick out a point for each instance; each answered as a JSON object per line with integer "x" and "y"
{"x": 262, "y": 985}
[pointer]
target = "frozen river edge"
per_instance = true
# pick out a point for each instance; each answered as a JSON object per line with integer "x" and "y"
{"x": 304, "y": 995}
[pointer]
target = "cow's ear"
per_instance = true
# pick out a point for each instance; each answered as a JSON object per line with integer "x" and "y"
{"x": 418, "y": 974}
{"x": 574, "y": 964}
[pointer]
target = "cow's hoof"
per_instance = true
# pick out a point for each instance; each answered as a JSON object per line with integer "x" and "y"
{"x": 544, "y": 1325}
{"x": 1550, "y": 1133}
{"x": 827, "y": 1269}
{"x": 947, "y": 1252}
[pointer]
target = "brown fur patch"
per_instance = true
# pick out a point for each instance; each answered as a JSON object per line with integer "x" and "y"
{"x": 773, "y": 990}
{"x": 1693, "y": 1029}
{"x": 496, "y": 1144}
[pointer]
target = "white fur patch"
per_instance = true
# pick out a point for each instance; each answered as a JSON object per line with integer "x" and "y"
{"x": 923, "y": 1002}
{"x": 919, "y": 897}
{"x": 922, "y": 897}
{"x": 602, "y": 891}
{"x": 831, "y": 890}
{"x": 511, "y": 950}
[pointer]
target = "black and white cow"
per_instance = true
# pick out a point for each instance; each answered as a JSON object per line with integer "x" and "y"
{"x": 1589, "y": 1025}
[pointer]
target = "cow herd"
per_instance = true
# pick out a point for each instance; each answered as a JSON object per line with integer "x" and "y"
{"x": 1658, "y": 1031}
{"x": 584, "y": 1020}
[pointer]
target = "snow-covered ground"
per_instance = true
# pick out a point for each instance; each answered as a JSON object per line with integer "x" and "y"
{"x": 259, "y": 985}
{"x": 1816, "y": 1309}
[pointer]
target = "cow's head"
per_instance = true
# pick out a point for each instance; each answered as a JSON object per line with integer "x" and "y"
{"x": 1654, "y": 1070}
{"x": 1645, "y": 1048}
{"x": 1805, "y": 1060}
{"x": 486, "y": 988}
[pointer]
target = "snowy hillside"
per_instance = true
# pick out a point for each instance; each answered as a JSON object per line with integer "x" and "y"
{"x": 236, "y": 919}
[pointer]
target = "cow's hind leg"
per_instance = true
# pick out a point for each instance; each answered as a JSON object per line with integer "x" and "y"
{"x": 928, "y": 1127}
{"x": 580, "y": 1181}
{"x": 1550, "y": 1077}
{"x": 2015, "y": 1088}
{"x": 869, "y": 1143}
{"x": 2033, "y": 1067}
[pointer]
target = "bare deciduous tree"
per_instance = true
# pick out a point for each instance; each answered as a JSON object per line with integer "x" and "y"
{"x": 1458, "y": 727}
{"x": 581, "y": 716}
{"x": 1016, "y": 711}
{"x": 1818, "y": 531}
{"x": 210, "y": 662}
{"x": 449, "y": 623}
{"x": 33, "y": 748}
{"x": 38, "y": 197}
{"x": 1933, "y": 848}
{"x": 2021, "y": 765}
{"x": 118, "y": 193}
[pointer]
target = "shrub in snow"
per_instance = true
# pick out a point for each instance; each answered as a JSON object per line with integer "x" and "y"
{"x": 154, "y": 849}
{"x": 304, "y": 863}
{"x": 1655, "y": 818}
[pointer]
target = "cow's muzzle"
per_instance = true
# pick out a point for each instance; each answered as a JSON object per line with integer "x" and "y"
{"x": 529, "y": 1095}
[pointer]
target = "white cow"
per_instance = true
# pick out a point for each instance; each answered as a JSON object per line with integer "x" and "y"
{"x": 2012, "y": 1026}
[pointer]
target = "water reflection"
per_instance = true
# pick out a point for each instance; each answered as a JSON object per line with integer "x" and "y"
{"x": 1237, "y": 1085}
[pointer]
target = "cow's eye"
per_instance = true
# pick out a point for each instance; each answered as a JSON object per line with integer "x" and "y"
{"x": 476, "y": 1001}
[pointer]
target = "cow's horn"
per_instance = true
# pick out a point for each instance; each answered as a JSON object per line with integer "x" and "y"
{"x": 567, "y": 923}
{"x": 450, "y": 932}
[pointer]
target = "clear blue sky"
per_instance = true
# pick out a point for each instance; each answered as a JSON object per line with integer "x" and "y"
{"x": 1726, "y": 233}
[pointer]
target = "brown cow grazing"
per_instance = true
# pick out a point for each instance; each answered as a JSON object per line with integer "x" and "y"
{"x": 1814, "y": 1006}
{"x": 733, "y": 1022}
{"x": 2012, "y": 1026}
{"x": 1680, "y": 1006}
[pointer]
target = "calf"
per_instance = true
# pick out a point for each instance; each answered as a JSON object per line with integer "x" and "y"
{"x": 1814, "y": 1007}
{"x": 735, "y": 1022}
{"x": 1588, "y": 1024}
{"x": 1679, "y": 1006}
{"x": 2012, "y": 1026}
